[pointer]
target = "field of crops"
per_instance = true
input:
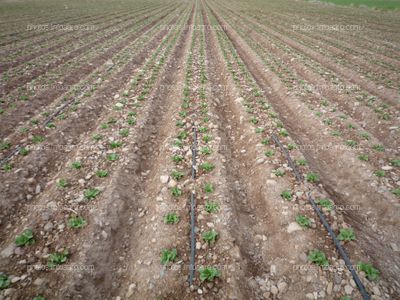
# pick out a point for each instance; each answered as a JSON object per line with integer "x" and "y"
{"x": 199, "y": 149}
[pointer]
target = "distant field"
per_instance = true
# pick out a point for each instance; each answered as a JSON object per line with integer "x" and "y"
{"x": 370, "y": 3}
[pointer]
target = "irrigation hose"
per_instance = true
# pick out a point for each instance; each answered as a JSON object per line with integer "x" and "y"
{"x": 192, "y": 212}
{"x": 323, "y": 220}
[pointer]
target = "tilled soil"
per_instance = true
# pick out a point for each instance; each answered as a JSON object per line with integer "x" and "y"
{"x": 185, "y": 106}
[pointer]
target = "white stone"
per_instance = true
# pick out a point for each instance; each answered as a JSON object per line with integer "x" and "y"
{"x": 164, "y": 179}
{"x": 293, "y": 227}
{"x": 8, "y": 251}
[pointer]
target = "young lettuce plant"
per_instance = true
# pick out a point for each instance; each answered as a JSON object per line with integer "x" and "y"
{"x": 208, "y": 273}
{"x": 301, "y": 162}
{"x": 168, "y": 255}
{"x": 176, "y": 192}
{"x": 370, "y": 272}
{"x": 287, "y": 195}
{"x": 303, "y": 221}
{"x": 318, "y": 257}
{"x": 76, "y": 222}
{"x": 210, "y": 236}
{"x": 57, "y": 258}
{"x": 211, "y": 207}
{"x": 346, "y": 234}
{"x": 4, "y": 281}
{"x": 208, "y": 188}
{"x": 91, "y": 193}
{"x": 25, "y": 238}
{"x": 62, "y": 183}
{"x": 77, "y": 165}
{"x": 325, "y": 203}
{"x": 177, "y": 158}
{"x": 171, "y": 218}
{"x": 102, "y": 173}
{"x": 207, "y": 167}
{"x": 312, "y": 177}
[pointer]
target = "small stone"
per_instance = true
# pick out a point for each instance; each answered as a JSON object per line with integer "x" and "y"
{"x": 130, "y": 290}
{"x": 303, "y": 257}
{"x": 260, "y": 161}
{"x": 164, "y": 179}
{"x": 267, "y": 295}
{"x": 387, "y": 168}
{"x": 38, "y": 189}
{"x": 293, "y": 227}
{"x": 272, "y": 269}
{"x": 329, "y": 288}
{"x": 376, "y": 291}
{"x": 310, "y": 296}
{"x": 15, "y": 279}
{"x": 274, "y": 290}
{"x": 282, "y": 286}
{"x": 200, "y": 291}
{"x": 8, "y": 251}
{"x": 172, "y": 183}
{"x": 348, "y": 289}
{"x": 48, "y": 227}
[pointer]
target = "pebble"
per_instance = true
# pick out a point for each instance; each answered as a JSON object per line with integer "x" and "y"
{"x": 164, "y": 179}
{"x": 172, "y": 183}
{"x": 348, "y": 289}
{"x": 260, "y": 161}
{"x": 130, "y": 290}
{"x": 282, "y": 286}
{"x": 376, "y": 291}
{"x": 329, "y": 288}
{"x": 274, "y": 290}
{"x": 15, "y": 279}
{"x": 293, "y": 227}
{"x": 38, "y": 189}
{"x": 8, "y": 251}
{"x": 272, "y": 269}
{"x": 48, "y": 227}
{"x": 310, "y": 296}
{"x": 387, "y": 168}
{"x": 394, "y": 247}
{"x": 267, "y": 295}
{"x": 303, "y": 257}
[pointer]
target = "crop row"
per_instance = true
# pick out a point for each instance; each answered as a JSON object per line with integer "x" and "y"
{"x": 331, "y": 44}
{"x": 35, "y": 135}
{"x": 53, "y": 89}
{"x": 58, "y": 45}
{"x": 369, "y": 148}
{"x": 107, "y": 149}
{"x": 46, "y": 63}
{"x": 266, "y": 123}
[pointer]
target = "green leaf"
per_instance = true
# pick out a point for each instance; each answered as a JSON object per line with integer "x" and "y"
{"x": 25, "y": 238}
